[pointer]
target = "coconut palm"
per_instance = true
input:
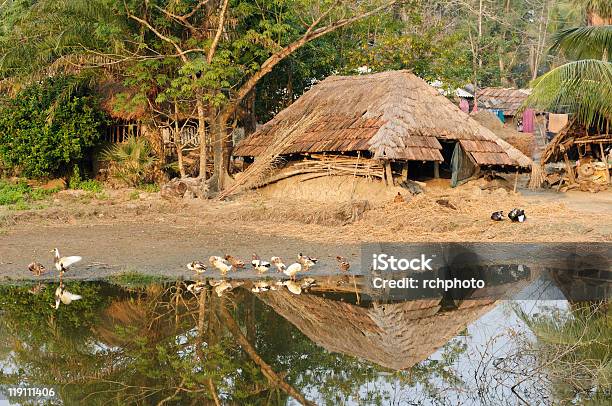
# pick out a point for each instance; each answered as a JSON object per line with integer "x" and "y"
{"x": 584, "y": 85}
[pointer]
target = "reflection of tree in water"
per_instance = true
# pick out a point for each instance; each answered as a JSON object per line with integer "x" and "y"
{"x": 574, "y": 352}
{"x": 163, "y": 345}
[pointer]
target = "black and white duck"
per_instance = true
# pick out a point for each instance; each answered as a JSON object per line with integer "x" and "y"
{"x": 63, "y": 263}
{"x": 497, "y": 216}
{"x": 517, "y": 215}
{"x": 306, "y": 261}
{"x": 196, "y": 287}
{"x": 197, "y": 267}
{"x": 260, "y": 265}
{"x": 65, "y": 297}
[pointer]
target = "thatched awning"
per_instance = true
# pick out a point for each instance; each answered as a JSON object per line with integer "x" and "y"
{"x": 394, "y": 115}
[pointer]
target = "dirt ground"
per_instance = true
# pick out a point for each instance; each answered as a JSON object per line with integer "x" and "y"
{"x": 123, "y": 231}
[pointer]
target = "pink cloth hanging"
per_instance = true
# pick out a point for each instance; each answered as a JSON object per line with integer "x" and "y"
{"x": 528, "y": 120}
{"x": 464, "y": 105}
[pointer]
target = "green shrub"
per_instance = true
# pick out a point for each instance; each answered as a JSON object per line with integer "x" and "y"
{"x": 48, "y": 126}
{"x": 132, "y": 162}
{"x": 149, "y": 187}
{"x": 90, "y": 185}
{"x": 20, "y": 193}
{"x": 12, "y": 193}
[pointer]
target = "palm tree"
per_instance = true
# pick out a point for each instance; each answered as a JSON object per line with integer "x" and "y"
{"x": 582, "y": 86}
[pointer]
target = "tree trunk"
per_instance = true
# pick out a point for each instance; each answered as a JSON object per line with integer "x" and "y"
{"x": 178, "y": 142}
{"x": 202, "y": 136}
{"x": 222, "y": 149}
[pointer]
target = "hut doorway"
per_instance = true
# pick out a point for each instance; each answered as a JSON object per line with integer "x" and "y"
{"x": 448, "y": 148}
{"x": 462, "y": 166}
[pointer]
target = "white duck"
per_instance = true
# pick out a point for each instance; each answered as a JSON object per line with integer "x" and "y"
{"x": 293, "y": 287}
{"x": 62, "y": 295}
{"x": 292, "y": 270}
{"x": 278, "y": 263}
{"x": 220, "y": 264}
{"x": 63, "y": 263}
{"x": 260, "y": 265}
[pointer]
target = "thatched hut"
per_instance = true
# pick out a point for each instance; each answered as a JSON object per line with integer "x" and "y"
{"x": 394, "y": 118}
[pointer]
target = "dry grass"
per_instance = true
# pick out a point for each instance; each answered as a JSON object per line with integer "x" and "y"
{"x": 418, "y": 219}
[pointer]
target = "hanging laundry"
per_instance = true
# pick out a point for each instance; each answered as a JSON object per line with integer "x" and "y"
{"x": 464, "y": 105}
{"x": 499, "y": 113}
{"x": 528, "y": 121}
{"x": 556, "y": 122}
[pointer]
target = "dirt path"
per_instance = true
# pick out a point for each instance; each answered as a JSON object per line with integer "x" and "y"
{"x": 154, "y": 236}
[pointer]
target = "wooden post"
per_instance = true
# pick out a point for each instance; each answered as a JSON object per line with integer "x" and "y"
{"x": 570, "y": 170}
{"x": 516, "y": 179}
{"x": 436, "y": 169}
{"x": 388, "y": 173}
{"x": 405, "y": 171}
{"x": 604, "y": 158}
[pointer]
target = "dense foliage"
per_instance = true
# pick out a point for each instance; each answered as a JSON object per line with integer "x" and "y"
{"x": 43, "y": 131}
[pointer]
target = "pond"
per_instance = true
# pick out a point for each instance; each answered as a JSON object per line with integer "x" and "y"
{"x": 314, "y": 342}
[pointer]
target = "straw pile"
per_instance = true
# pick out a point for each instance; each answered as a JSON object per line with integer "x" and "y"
{"x": 256, "y": 174}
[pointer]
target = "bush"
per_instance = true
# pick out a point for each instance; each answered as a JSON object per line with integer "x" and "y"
{"x": 149, "y": 187}
{"x": 20, "y": 193}
{"x": 131, "y": 162}
{"x": 47, "y": 127}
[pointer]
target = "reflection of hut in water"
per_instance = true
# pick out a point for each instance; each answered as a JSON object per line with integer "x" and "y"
{"x": 393, "y": 335}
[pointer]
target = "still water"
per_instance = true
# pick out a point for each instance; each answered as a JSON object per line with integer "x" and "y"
{"x": 234, "y": 342}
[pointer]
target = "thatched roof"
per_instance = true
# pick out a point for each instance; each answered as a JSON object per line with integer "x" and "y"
{"x": 395, "y": 335}
{"x": 109, "y": 91}
{"x": 507, "y": 99}
{"x": 394, "y": 115}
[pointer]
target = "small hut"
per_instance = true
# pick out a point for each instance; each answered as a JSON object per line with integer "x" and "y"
{"x": 393, "y": 124}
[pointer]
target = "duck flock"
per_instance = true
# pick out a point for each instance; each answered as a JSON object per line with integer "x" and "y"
{"x": 230, "y": 263}
{"x": 225, "y": 264}
{"x": 515, "y": 215}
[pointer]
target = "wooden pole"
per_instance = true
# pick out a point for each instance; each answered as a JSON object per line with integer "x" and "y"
{"x": 604, "y": 158}
{"x": 570, "y": 171}
{"x": 516, "y": 179}
{"x": 436, "y": 169}
{"x": 388, "y": 173}
{"x": 405, "y": 171}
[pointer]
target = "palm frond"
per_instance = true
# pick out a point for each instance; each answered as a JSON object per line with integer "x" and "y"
{"x": 602, "y": 8}
{"x": 582, "y": 87}
{"x": 592, "y": 42}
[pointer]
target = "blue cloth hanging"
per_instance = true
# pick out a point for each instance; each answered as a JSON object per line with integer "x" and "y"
{"x": 499, "y": 113}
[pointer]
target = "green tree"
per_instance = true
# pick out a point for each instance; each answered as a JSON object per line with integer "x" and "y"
{"x": 582, "y": 86}
{"x": 43, "y": 133}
